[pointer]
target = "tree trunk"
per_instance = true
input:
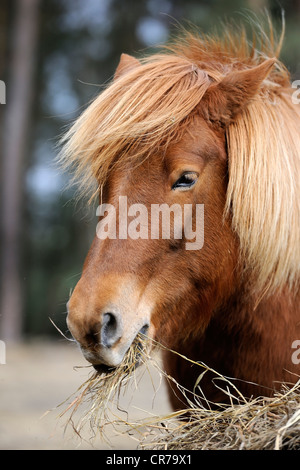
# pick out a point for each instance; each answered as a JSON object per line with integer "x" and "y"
{"x": 19, "y": 88}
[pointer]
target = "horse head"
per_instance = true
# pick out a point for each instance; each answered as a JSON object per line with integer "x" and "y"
{"x": 140, "y": 276}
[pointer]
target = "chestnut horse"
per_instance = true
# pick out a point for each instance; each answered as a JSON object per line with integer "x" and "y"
{"x": 207, "y": 121}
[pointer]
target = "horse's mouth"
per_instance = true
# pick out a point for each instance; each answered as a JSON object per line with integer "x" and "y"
{"x": 125, "y": 366}
{"x": 103, "y": 369}
{"x": 132, "y": 359}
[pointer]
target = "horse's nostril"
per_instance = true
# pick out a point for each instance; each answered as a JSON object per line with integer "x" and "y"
{"x": 110, "y": 330}
{"x": 144, "y": 329}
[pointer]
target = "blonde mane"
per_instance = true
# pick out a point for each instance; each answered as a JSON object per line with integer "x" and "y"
{"x": 151, "y": 105}
{"x": 137, "y": 113}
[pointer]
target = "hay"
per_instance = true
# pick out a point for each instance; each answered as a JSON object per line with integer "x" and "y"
{"x": 243, "y": 424}
{"x": 97, "y": 397}
{"x": 258, "y": 424}
{"x": 261, "y": 423}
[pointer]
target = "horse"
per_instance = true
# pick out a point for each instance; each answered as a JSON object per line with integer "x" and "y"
{"x": 207, "y": 121}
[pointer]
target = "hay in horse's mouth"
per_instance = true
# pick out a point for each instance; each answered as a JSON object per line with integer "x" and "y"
{"x": 133, "y": 357}
{"x": 103, "y": 368}
{"x": 103, "y": 387}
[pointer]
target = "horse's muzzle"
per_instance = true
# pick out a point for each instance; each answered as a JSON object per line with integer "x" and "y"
{"x": 109, "y": 339}
{"x": 105, "y": 321}
{"x": 105, "y": 343}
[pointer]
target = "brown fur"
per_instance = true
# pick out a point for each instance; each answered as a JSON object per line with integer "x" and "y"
{"x": 223, "y": 110}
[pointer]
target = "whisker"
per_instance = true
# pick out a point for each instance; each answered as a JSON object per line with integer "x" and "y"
{"x": 59, "y": 330}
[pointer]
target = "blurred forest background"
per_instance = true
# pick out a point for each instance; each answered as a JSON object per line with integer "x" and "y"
{"x": 55, "y": 56}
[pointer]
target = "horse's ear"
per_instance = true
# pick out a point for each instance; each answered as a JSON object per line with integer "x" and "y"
{"x": 127, "y": 62}
{"x": 223, "y": 101}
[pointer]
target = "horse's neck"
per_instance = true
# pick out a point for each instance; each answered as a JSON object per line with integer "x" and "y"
{"x": 244, "y": 342}
{"x": 243, "y": 310}
{"x": 260, "y": 334}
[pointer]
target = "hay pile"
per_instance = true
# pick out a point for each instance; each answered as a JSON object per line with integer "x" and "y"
{"x": 260, "y": 424}
{"x": 256, "y": 424}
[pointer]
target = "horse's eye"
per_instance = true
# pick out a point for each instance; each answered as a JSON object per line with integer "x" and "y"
{"x": 186, "y": 181}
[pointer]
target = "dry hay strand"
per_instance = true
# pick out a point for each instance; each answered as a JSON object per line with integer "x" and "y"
{"x": 261, "y": 423}
{"x": 258, "y": 424}
{"x": 96, "y": 398}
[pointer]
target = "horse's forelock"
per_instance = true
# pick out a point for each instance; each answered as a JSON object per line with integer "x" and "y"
{"x": 143, "y": 110}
